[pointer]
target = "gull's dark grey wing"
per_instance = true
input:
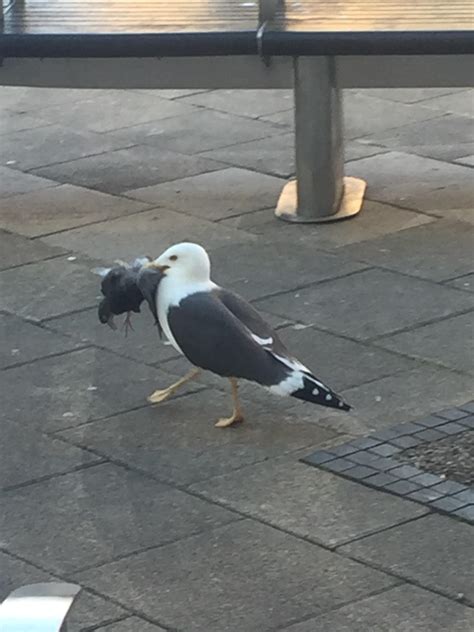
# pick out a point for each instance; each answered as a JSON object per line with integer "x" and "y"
{"x": 213, "y": 338}
{"x": 258, "y": 327}
{"x": 214, "y": 331}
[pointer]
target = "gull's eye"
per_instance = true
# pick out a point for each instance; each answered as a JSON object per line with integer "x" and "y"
{"x": 173, "y": 257}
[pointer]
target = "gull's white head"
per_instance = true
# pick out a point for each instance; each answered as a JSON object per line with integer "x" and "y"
{"x": 185, "y": 262}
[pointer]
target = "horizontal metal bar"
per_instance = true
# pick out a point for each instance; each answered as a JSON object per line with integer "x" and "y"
{"x": 274, "y": 43}
{"x": 85, "y": 45}
{"x": 395, "y": 42}
{"x": 235, "y": 72}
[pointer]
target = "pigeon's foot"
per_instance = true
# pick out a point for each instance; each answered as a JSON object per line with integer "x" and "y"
{"x": 236, "y": 417}
{"x": 161, "y": 395}
{"x": 226, "y": 422}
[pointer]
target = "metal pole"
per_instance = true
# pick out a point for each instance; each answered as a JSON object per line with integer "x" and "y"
{"x": 320, "y": 193}
{"x": 318, "y": 137}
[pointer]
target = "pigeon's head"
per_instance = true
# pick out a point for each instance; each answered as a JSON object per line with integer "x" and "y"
{"x": 185, "y": 262}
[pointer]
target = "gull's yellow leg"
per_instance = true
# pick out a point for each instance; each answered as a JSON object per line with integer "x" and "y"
{"x": 160, "y": 396}
{"x": 237, "y": 416}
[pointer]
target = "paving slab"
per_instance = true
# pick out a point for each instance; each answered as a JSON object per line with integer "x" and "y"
{"x": 18, "y": 121}
{"x": 176, "y": 441}
{"x": 408, "y": 395}
{"x": 273, "y": 155}
{"x": 21, "y": 341}
{"x": 62, "y": 207}
{"x": 143, "y": 344}
{"x": 437, "y": 343}
{"x": 364, "y": 114}
{"x": 17, "y": 250}
{"x": 465, "y": 283}
{"x": 447, "y": 137}
{"x": 439, "y": 251}
{"x": 275, "y": 266}
{"x": 467, "y": 160}
{"x": 244, "y": 576}
{"x": 87, "y": 611}
{"x": 420, "y": 183}
{"x": 401, "y": 609}
{"x": 131, "y": 624}
{"x": 338, "y": 361}
{"x": 170, "y": 93}
{"x": 109, "y": 110}
{"x": 375, "y": 220}
{"x": 204, "y": 130}
{"x": 354, "y": 149}
{"x": 52, "y": 144}
{"x": 126, "y": 238}
{"x": 49, "y": 288}
{"x": 461, "y": 103}
{"x": 75, "y": 387}
{"x": 98, "y": 514}
{"x": 215, "y": 195}
{"x": 251, "y": 103}
{"x": 460, "y": 214}
{"x": 308, "y": 502}
{"x": 369, "y": 303}
{"x": 431, "y": 551}
{"x": 411, "y": 95}
{"x": 448, "y": 152}
{"x": 28, "y": 456}
{"x": 26, "y": 99}
{"x": 117, "y": 171}
{"x": 13, "y": 182}
{"x": 284, "y": 120}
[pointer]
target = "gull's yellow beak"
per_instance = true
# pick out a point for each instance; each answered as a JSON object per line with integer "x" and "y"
{"x": 156, "y": 266}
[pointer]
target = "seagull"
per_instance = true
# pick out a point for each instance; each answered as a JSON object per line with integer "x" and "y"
{"x": 218, "y": 331}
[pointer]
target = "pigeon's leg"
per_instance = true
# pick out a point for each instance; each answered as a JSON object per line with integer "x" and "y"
{"x": 127, "y": 324}
{"x": 160, "y": 396}
{"x": 237, "y": 416}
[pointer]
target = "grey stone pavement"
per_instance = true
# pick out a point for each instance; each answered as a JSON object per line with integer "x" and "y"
{"x": 167, "y": 522}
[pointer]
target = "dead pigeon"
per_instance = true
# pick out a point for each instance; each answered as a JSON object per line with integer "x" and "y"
{"x": 125, "y": 287}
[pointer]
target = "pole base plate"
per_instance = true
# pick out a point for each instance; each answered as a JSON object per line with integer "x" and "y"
{"x": 351, "y": 203}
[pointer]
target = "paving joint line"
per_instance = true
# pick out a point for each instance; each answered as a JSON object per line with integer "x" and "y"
{"x": 152, "y": 547}
{"x": 408, "y": 580}
{"x": 53, "y": 433}
{"x": 308, "y": 285}
{"x": 58, "y": 354}
{"x": 54, "y": 475}
{"x": 337, "y": 607}
{"x": 31, "y": 170}
{"x": 436, "y": 117}
{"x": 106, "y": 220}
{"x": 32, "y": 263}
{"x": 106, "y": 623}
{"x": 369, "y": 534}
{"x": 419, "y": 325}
